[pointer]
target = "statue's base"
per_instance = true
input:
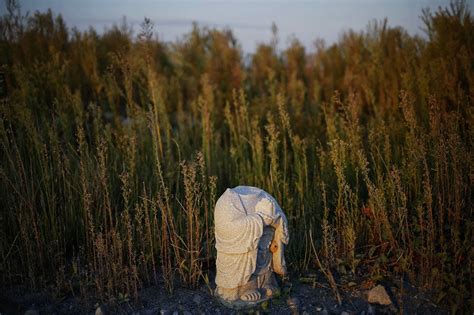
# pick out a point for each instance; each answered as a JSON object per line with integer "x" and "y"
{"x": 240, "y": 305}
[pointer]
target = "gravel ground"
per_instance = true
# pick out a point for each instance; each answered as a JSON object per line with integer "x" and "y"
{"x": 308, "y": 294}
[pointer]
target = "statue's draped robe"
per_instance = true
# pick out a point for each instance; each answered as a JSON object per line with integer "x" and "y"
{"x": 238, "y": 231}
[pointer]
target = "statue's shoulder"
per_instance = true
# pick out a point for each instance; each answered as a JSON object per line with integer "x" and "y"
{"x": 229, "y": 197}
{"x": 225, "y": 196}
{"x": 248, "y": 190}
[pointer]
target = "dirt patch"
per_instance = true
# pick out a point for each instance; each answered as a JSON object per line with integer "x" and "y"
{"x": 306, "y": 294}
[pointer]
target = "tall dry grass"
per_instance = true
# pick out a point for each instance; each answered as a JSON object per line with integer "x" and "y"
{"x": 114, "y": 149}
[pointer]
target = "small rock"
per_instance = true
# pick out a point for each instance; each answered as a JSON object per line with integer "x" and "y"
{"x": 197, "y": 299}
{"x": 31, "y": 312}
{"x": 164, "y": 312}
{"x": 318, "y": 309}
{"x": 324, "y": 312}
{"x": 370, "y": 310}
{"x": 175, "y": 313}
{"x": 378, "y": 295}
{"x": 101, "y": 310}
{"x": 345, "y": 313}
{"x": 293, "y": 303}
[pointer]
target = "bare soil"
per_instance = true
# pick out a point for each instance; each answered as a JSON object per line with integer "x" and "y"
{"x": 310, "y": 293}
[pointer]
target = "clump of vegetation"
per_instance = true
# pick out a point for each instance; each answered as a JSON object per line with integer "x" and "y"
{"x": 115, "y": 146}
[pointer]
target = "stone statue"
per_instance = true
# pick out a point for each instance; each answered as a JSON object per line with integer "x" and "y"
{"x": 251, "y": 232}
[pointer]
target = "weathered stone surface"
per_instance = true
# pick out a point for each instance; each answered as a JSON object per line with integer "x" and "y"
{"x": 251, "y": 232}
{"x": 378, "y": 295}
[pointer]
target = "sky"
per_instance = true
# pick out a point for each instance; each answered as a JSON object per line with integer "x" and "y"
{"x": 249, "y": 20}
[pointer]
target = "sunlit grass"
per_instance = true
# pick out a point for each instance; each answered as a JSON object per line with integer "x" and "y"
{"x": 114, "y": 151}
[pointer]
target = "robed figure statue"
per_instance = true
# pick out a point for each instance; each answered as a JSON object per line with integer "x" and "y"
{"x": 251, "y": 232}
